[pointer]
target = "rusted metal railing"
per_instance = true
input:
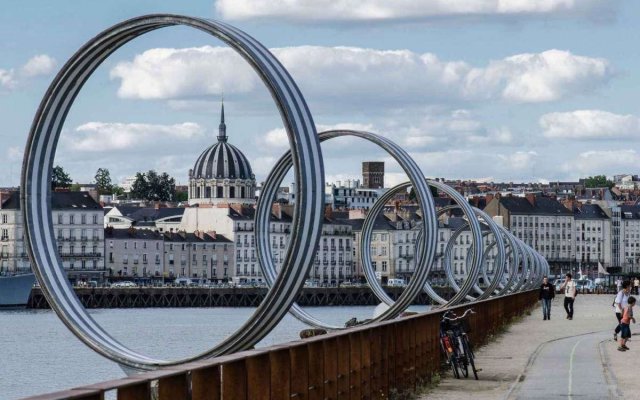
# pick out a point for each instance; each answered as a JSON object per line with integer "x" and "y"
{"x": 365, "y": 362}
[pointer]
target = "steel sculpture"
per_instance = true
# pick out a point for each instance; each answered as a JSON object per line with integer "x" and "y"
{"x": 38, "y": 163}
{"x": 523, "y": 272}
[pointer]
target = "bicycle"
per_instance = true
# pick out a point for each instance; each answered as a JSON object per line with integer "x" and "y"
{"x": 455, "y": 344}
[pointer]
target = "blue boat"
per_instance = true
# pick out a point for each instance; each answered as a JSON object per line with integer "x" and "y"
{"x": 15, "y": 290}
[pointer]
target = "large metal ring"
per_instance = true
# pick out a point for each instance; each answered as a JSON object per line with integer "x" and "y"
{"x": 493, "y": 228}
{"x": 38, "y": 163}
{"x": 272, "y": 183}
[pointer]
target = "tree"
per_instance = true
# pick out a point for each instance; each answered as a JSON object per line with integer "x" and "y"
{"x": 140, "y": 187}
{"x": 154, "y": 187}
{"x": 117, "y": 190}
{"x": 59, "y": 178}
{"x": 414, "y": 197}
{"x": 598, "y": 181}
{"x": 103, "y": 181}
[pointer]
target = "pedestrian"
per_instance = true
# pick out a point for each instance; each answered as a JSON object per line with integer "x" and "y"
{"x": 547, "y": 293}
{"x": 636, "y": 285}
{"x": 619, "y": 304}
{"x": 570, "y": 293}
{"x": 618, "y": 285}
{"x": 627, "y": 318}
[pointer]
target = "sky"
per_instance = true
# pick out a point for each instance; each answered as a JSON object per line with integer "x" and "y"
{"x": 492, "y": 90}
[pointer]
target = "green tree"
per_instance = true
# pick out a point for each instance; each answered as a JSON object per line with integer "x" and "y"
{"x": 103, "y": 181}
{"x": 182, "y": 196}
{"x": 117, "y": 190}
{"x": 140, "y": 187}
{"x": 154, "y": 187}
{"x": 598, "y": 181}
{"x": 414, "y": 197}
{"x": 59, "y": 178}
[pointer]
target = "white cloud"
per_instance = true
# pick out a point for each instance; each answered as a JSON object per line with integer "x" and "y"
{"x": 600, "y": 162}
{"x": 484, "y": 162}
{"x": 458, "y": 128}
{"x": 590, "y": 124}
{"x": 421, "y": 10}
{"x": 344, "y": 76}
{"x": 519, "y": 160}
{"x": 38, "y": 65}
{"x": 7, "y": 79}
{"x": 277, "y": 138}
{"x": 173, "y": 73}
{"x": 533, "y": 78}
{"x": 105, "y": 136}
{"x": 14, "y": 153}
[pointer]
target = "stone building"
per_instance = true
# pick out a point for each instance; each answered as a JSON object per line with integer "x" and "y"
{"x": 222, "y": 174}
{"x": 147, "y": 255}
{"x": 542, "y": 222}
{"x": 373, "y": 174}
{"x": 78, "y": 229}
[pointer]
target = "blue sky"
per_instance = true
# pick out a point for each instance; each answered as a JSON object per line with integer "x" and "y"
{"x": 509, "y": 90}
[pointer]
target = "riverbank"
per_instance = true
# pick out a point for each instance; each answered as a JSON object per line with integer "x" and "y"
{"x": 559, "y": 358}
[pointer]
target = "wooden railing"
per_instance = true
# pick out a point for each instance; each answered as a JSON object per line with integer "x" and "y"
{"x": 367, "y": 362}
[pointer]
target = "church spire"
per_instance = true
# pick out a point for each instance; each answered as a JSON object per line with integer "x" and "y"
{"x": 222, "y": 128}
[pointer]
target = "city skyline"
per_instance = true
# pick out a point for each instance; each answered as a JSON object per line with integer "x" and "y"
{"x": 510, "y": 94}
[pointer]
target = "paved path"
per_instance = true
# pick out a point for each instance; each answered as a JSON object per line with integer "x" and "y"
{"x": 557, "y": 359}
{"x": 570, "y": 368}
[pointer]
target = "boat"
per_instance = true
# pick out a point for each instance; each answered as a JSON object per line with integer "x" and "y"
{"x": 15, "y": 290}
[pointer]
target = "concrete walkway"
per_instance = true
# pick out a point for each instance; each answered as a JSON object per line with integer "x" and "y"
{"x": 556, "y": 359}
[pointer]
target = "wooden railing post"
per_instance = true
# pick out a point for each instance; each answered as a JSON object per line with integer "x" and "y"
{"x": 205, "y": 383}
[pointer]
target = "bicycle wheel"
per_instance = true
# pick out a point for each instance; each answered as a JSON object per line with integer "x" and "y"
{"x": 453, "y": 360}
{"x": 470, "y": 356}
{"x": 464, "y": 362}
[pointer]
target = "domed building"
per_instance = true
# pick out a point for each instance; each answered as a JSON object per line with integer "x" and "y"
{"x": 222, "y": 174}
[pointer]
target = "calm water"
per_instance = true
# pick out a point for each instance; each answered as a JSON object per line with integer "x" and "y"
{"x": 39, "y": 355}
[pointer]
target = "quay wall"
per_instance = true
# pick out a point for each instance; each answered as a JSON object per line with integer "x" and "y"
{"x": 220, "y": 297}
{"x": 366, "y": 362}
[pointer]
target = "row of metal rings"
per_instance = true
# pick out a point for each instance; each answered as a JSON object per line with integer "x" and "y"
{"x": 518, "y": 269}
{"x": 521, "y": 268}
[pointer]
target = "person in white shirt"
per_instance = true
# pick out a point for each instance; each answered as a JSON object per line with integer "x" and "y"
{"x": 619, "y": 304}
{"x": 636, "y": 284}
{"x": 570, "y": 293}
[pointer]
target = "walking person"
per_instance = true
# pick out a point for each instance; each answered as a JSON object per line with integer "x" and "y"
{"x": 636, "y": 285}
{"x": 618, "y": 285}
{"x": 570, "y": 293}
{"x": 547, "y": 293}
{"x": 619, "y": 304}
{"x": 627, "y": 318}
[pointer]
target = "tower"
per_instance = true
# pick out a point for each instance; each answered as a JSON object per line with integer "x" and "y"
{"x": 373, "y": 174}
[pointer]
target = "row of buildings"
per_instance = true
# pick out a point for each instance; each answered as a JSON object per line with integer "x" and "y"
{"x": 212, "y": 238}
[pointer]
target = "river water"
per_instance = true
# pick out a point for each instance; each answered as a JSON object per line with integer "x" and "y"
{"x": 39, "y": 355}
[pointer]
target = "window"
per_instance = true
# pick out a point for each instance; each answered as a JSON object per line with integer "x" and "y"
{"x": 71, "y": 219}
{"x": 95, "y": 218}
{"x": 83, "y": 219}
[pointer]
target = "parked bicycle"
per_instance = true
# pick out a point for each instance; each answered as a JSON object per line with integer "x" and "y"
{"x": 455, "y": 343}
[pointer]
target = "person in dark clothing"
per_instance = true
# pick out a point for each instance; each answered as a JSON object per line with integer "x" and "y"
{"x": 547, "y": 293}
{"x": 619, "y": 304}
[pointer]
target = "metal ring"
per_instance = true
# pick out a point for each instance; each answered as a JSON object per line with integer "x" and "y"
{"x": 38, "y": 162}
{"x": 263, "y": 210}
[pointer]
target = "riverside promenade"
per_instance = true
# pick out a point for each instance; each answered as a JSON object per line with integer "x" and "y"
{"x": 556, "y": 359}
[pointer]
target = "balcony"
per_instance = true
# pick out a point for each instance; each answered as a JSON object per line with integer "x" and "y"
{"x": 80, "y": 255}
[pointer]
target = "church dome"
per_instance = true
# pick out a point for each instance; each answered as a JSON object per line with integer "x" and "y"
{"x": 222, "y": 160}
